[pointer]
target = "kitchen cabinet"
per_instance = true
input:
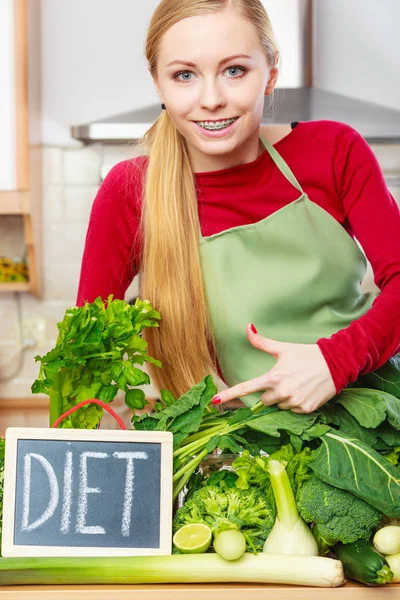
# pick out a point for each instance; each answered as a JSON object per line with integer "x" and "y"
{"x": 19, "y": 165}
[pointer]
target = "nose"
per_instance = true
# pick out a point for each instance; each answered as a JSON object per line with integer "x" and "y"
{"x": 211, "y": 96}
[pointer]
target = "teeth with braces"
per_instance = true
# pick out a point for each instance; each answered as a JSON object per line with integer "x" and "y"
{"x": 215, "y": 126}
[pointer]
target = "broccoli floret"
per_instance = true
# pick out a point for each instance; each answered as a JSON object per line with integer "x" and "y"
{"x": 249, "y": 511}
{"x": 338, "y": 515}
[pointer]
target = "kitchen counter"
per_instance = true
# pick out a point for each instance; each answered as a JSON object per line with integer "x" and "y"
{"x": 222, "y": 591}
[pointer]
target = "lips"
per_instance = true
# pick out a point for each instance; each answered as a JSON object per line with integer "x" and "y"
{"x": 218, "y": 121}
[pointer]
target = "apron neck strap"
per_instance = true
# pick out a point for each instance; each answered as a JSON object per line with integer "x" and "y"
{"x": 281, "y": 164}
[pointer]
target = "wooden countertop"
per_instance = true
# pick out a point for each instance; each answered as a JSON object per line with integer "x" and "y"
{"x": 206, "y": 591}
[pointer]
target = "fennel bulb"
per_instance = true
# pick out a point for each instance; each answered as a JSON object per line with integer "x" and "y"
{"x": 290, "y": 534}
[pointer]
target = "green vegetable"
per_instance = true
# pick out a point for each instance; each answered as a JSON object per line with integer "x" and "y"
{"x": 290, "y": 534}
{"x": 387, "y": 540}
{"x": 371, "y": 407}
{"x": 349, "y": 464}
{"x": 314, "y": 571}
{"x": 94, "y": 357}
{"x": 338, "y": 516}
{"x": 198, "y": 429}
{"x": 254, "y": 470}
{"x": 338, "y": 457}
{"x": 363, "y": 563}
{"x": 230, "y": 544}
{"x": 386, "y": 378}
{"x": 248, "y": 511}
{"x": 393, "y": 561}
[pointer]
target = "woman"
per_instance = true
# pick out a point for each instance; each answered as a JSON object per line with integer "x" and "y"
{"x": 234, "y": 226}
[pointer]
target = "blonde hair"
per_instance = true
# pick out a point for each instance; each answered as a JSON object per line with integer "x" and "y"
{"x": 171, "y": 276}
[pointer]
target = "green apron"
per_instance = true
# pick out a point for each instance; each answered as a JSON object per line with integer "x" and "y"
{"x": 295, "y": 274}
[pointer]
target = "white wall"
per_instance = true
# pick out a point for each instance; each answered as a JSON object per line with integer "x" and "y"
{"x": 357, "y": 49}
{"x": 8, "y": 171}
{"x": 93, "y": 63}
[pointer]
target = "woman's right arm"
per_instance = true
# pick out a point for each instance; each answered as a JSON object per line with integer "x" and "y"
{"x": 111, "y": 247}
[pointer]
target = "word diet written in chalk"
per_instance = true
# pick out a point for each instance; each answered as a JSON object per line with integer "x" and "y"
{"x": 77, "y": 491}
{"x": 84, "y": 491}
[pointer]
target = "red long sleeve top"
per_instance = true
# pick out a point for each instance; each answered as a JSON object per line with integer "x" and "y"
{"x": 336, "y": 168}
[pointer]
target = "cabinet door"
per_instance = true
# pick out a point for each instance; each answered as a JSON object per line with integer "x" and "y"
{"x": 13, "y": 96}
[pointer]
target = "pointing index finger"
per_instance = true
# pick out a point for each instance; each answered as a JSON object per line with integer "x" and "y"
{"x": 241, "y": 389}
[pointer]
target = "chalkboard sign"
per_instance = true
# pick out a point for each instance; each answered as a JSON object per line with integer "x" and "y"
{"x": 74, "y": 492}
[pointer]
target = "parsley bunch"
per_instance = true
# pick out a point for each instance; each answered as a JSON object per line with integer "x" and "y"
{"x": 97, "y": 347}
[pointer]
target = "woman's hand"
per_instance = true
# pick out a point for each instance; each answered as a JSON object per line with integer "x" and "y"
{"x": 300, "y": 380}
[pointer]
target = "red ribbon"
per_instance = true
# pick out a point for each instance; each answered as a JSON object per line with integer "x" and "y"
{"x": 92, "y": 401}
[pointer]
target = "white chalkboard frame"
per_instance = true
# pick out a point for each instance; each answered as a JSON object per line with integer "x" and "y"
{"x": 13, "y": 434}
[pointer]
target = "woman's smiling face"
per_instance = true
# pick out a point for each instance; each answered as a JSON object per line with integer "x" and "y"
{"x": 213, "y": 88}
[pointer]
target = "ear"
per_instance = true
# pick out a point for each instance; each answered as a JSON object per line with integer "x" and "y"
{"x": 273, "y": 78}
{"x": 273, "y": 75}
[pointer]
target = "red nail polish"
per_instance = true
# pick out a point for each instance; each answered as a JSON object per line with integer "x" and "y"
{"x": 254, "y": 330}
{"x": 216, "y": 400}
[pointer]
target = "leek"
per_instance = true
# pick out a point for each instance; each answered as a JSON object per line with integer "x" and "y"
{"x": 315, "y": 571}
{"x": 290, "y": 534}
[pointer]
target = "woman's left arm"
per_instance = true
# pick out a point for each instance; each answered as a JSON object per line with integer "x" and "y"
{"x": 374, "y": 218}
{"x": 306, "y": 376}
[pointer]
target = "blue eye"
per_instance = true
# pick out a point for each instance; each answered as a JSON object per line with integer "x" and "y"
{"x": 233, "y": 68}
{"x": 185, "y": 73}
{"x": 177, "y": 75}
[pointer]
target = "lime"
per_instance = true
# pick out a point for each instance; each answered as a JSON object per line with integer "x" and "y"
{"x": 193, "y": 539}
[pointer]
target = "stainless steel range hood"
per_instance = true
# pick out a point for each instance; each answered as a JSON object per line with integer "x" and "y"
{"x": 299, "y": 101}
{"x": 375, "y": 123}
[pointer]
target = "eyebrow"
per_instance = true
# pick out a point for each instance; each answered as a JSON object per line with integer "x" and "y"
{"x": 224, "y": 60}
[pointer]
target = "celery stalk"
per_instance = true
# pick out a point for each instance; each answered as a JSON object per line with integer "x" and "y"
{"x": 316, "y": 571}
{"x": 56, "y": 399}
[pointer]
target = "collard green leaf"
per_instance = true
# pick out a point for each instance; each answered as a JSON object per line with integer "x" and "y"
{"x": 366, "y": 405}
{"x": 315, "y": 431}
{"x": 296, "y": 441}
{"x": 370, "y": 407}
{"x": 347, "y": 424}
{"x": 393, "y": 410}
{"x": 284, "y": 420}
{"x": 261, "y": 441}
{"x": 386, "y": 378}
{"x": 388, "y": 434}
{"x": 349, "y": 464}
